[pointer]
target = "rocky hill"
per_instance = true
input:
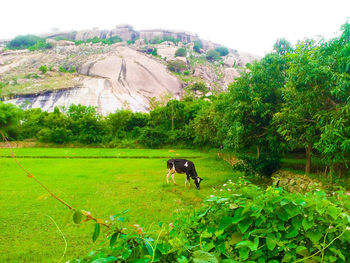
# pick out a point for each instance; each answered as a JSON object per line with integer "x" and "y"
{"x": 130, "y": 74}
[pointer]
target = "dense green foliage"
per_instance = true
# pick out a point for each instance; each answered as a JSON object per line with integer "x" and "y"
{"x": 181, "y": 52}
{"x": 250, "y": 225}
{"x": 223, "y": 51}
{"x": 107, "y": 41}
{"x": 212, "y": 55}
{"x": 197, "y": 46}
{"x": 176, "y": 65}
{"x": 43, "y": 69}
{"x": 30, "y": 42}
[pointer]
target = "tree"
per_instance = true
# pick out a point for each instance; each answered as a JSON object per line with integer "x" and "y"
{"x": 23, "y": 42}
{"x": 316, "y": 91}
{"x": 334, "y": 121}
{"x": 87, "y": 126}
{"x": 181, "y": 52}
{"x": 10, "y": 116}
{"x": 197, "y": 46}
{"x": 212, "y": 55}
{"x": 250, "y": 104}
{"x": 176, "y": 65}
{"x": 282, "y": 46}
{"x": 223, "y": 51}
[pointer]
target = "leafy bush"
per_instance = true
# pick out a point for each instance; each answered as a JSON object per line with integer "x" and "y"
{"x": 212, "y": 55}
{"x": 223, "y": 51}
{"x": 197, "y": 46}
{"x": 154, "y": 52}
{"x": 250, "y": 225}
{"x": 176, "y": 65}
{"x": 23, "y": 42}
{"x": 115, "y": 39}
{"x": 72, "y": 69}
{"x": 43, "y": 69}
{"x": 265, "y": 165}
{"x": 62, "y": 69}
{"x": 40, "y": 45}
{"x": 200, "y": 86}
{"x": 181, "y": 52}
{"x": 152, "y": 137}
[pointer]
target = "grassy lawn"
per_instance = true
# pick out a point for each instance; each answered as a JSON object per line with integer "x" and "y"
{"x": 101, "y": 186}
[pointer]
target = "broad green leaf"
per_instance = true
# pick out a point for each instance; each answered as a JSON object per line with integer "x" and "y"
{"x": 183, "y": 259}
{"x": 235, "y": 238}
{"x": 292, "y": 210}
{"x": 337, "y": 252}
{"x": 205, "y": 234}
{"x": 307, "y": 224}
{"x": 249, "y": 244}
{"x": 270, "y": 242}
{"x": 238, "y": 216}
{"x": 302, "y": 251}
{"x": 283, "y": 215}
{"x": 113, "y": 239}
{"x": 77, "y": 216}
{"x": 243, "y": 253}
{"x": 314, "y": 236}
{"x": 244, "y": 224}
{"x": 292, "y": 232}
{"x": 200, "y": 256}
{"x": 96, "y": 232}
{"x": 333, "y": 212}
{"x": 225, "y": 222}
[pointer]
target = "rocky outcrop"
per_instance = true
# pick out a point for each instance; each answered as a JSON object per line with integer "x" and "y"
{"x": 119, "y": 79}
{"x": 183, "y": 36}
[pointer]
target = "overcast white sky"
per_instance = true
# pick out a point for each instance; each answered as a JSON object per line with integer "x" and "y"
{"x": 245, "y": 25}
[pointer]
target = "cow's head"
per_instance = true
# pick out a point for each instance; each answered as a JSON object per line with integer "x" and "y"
{"x": 197, "y": 181}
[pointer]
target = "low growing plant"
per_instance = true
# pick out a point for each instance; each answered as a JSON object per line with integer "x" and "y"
{"x": 243, "y": 223}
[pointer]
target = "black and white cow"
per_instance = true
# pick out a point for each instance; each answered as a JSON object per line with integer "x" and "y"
{"x": 183, "y": 166}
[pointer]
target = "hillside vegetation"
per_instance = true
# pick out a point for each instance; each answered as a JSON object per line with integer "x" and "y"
{"x": 294, "y": 101}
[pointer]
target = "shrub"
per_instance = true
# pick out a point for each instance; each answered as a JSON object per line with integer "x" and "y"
{"x": 43, "y": 69}
{"x": 72, "y": 69}
{"x": 197, "y": 46}
{"x": 62, "y": 69}
{"x": 222, "y": 51}
{"x": 177, "y": 65}
{"x": 115, "y": 39}
{"x": 265, "y": 165}
{"x": 40, "y": 45}
{"x": 181, "y": 52}
{"x": 23, "y": 42}
{"x": 152, "y": 137}
{"x": 250, "y": 225}
{"x": 154, "y": 52}
{"x": 212, "y": 55}
{"x": 200, "y": 86}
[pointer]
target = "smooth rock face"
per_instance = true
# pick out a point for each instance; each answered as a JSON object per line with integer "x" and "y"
{"x": 123, "y": 79}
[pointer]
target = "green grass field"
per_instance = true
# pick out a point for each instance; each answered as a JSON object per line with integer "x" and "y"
{"x": 102, "y": 186}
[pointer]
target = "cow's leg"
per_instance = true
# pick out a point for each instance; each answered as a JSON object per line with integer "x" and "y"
{"x": 188, "y": 179}
{"x": 173, "y": 177}
{"x": 167, "y": 176}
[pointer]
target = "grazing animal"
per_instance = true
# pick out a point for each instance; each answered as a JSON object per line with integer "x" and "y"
{"x": 183, "y": 166}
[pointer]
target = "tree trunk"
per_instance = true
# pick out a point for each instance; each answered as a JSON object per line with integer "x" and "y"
{"x": 308, "y": 158}
{"x": 258, "y": 151}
